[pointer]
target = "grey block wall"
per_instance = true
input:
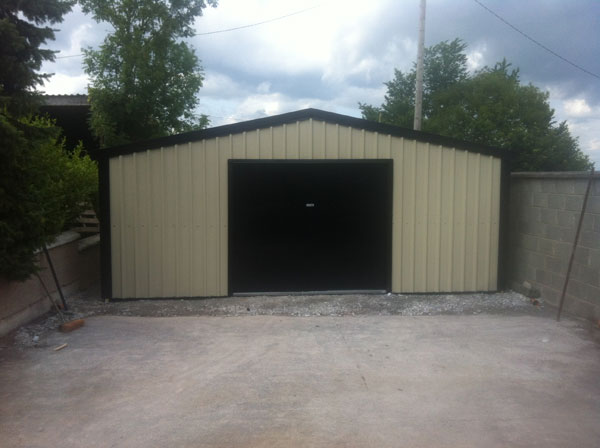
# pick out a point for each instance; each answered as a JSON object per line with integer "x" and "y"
{"x": 544, "y": 212}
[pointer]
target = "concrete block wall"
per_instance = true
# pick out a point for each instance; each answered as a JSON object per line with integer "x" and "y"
{"x": 77, "y": 262}
{"x": 544, "y": 212}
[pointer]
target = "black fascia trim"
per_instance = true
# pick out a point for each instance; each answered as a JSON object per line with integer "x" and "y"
{"x": 105, "y": 237}
{"x": 292, "y": 117}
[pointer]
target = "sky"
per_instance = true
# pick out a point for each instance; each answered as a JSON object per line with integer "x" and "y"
{"x": 337, "y": 53}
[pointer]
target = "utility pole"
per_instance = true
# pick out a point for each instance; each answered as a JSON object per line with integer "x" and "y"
{"x": 419, "y": 83}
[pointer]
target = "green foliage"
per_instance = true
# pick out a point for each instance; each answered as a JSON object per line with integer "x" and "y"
{"x": 42, "y": 188}
{"x": 144, "y": 78}
{"x": 489, "y": 107}
{"x": 444, "y": 65}
{"x": 22, "y": 33}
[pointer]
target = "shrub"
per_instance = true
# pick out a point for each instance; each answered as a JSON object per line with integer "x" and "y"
{"x": 42, "y": 188}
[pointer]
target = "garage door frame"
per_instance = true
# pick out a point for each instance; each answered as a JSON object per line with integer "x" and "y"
{"x": 388, "y": 164}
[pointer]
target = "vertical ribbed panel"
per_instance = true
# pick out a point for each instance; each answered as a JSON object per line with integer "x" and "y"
{"x": 384, "y": 151}
{"x": 409, "y": 206}
{"x": 169, "y": 211}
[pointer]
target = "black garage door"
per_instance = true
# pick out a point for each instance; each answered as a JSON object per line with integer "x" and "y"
{"x": 310, "y": 226}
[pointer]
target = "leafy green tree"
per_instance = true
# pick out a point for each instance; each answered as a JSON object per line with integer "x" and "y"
{"x": 144, "y": 77}
{"x": 444, "y": 65}
{"x": 42, "y": 186}
{"x": 490, "y": 107}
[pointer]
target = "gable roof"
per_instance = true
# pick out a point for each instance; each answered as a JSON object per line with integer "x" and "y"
{"x": 292, "y": 117}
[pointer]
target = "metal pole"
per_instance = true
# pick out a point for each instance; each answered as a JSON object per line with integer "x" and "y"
{"x": 564, "y": 290}
{"x": 62, "y": 297}
{"x": 419, "y": 82}
{"x": 51, "y": 298}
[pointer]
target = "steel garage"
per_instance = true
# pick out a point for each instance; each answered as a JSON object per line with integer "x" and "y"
{"x": 301, "y": 202}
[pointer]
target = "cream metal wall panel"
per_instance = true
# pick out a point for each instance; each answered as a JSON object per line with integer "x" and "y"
{"x": 344, "y": 142}
{"x": 128, "y": 267}
{"x": 332, "y": 141}
{"x": 279, "y": 142}
{"x": 116, "y": 216}
{"x": 422, "y": 212}
{"x": 212, "y": 211}
{"x": 484, "y": 222}
{"x": 459, "y": 215}
{"x": 184, "y": 221}
{"x": 265, "y": 143}
{"x": 447, "y": 181}
{"x": 319, "y": 136}
{"x": 169, "y": 210}
{"x": 140, "y": 232}
{"x": 305, "y": 142}
{"x": 199, "y": 205}
{"x": 495, "y": 220}
{"x": 384, "y": 151}
{"x": 409, "y": 206}
{"x": 292, "y": 140}
{"x": 157, "y": 204}
{"x": 169, "y": 262}
{"x": 434, "y": 228}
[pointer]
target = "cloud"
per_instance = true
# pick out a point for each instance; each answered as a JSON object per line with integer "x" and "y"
{"x": 60, "y": 84}
{"x": 217, "y": 84}
{"x": 263, "y": 87}
{"x": 577, "y": 107}
{"x": 476, "y": 56}
{"x": 342, "y": 51}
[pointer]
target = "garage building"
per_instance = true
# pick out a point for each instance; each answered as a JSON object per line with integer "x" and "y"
{"x": 308, "y": 201}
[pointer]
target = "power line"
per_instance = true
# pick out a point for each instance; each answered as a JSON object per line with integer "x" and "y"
{"x": 69, "y": 56}
{"x": 258, "y": 23}
{"x": 274, "y": 19}
{"x": 539, "y": 44}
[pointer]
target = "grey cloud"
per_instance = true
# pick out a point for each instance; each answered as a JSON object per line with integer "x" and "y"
{"x": 385, "y": 41}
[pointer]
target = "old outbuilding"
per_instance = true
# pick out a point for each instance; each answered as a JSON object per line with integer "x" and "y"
{"x": 301, "y": 202}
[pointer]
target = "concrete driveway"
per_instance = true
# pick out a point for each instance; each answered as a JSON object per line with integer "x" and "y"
{"x": 265, "y": 381}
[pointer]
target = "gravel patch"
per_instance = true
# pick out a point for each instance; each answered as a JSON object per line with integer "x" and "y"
{"x": 88, "y": 303}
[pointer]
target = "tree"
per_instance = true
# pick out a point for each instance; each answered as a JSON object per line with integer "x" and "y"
{"x": 444, "y": 65}
{"x": 144, "y": 77}
{"x": 22, "y": 32}
{"x": 41, "y": 185}
{"x": 42, "y": 188}
{"x": 489, "y": 107}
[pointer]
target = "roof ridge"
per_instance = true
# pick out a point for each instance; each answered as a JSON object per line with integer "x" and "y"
{"x": 291, "y": 117}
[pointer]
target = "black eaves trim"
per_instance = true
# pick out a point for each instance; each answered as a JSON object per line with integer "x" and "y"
{"x": 292, "y": 117}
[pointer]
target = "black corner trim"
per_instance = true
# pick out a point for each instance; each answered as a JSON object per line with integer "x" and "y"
{"x": 105, "y": 243}
{"x": 292, "y": 117}
{"x": 503, "y": 234}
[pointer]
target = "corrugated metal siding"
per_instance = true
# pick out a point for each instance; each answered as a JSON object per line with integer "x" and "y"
{"x": 169, "y": 209}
